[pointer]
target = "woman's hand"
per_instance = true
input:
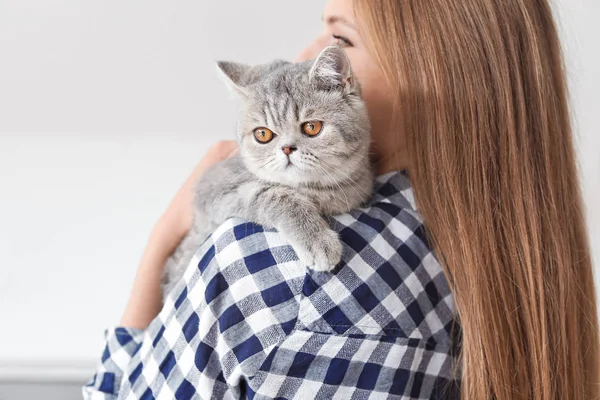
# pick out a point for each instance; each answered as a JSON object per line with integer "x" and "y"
{"x": 176, "y": 221}
{"x": 145, "y": 300}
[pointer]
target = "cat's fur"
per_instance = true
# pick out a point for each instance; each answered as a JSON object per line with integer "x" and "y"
{"x": 329, "y": 174}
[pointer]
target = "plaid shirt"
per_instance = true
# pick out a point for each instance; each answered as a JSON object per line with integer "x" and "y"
{"x": 250, "y": 321}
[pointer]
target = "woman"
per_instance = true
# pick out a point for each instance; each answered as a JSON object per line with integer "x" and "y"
{"x": 470, "y": 97}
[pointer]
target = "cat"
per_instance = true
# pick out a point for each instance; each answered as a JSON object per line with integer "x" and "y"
{"x": 304, "y": 138}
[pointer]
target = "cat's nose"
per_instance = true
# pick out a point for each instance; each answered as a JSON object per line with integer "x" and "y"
{"x": 289, "y": 149}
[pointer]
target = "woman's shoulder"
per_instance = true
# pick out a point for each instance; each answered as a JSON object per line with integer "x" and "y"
{"x": 245, "y": 267}
{"x": 388, "y": 282}
{"x": 248, "y": 298}
{"x": 238, "y": 248}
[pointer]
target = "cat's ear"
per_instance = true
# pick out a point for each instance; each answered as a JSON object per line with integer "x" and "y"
{"x": 332, "y": 69}
{"x": 235, "y": 75}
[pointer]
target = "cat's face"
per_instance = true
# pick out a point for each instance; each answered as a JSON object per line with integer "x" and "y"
{"x": 301, "y": 123}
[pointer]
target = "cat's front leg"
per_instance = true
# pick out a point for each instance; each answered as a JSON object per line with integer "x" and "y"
{"x": 297, "y": 218}
{"x": 320, "y": 250}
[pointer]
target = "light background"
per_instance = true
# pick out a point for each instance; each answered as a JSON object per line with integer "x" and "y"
{"x": 105, "y": 107}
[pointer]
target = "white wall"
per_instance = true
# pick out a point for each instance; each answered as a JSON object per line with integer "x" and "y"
{"x": 104, "y": 109}
{"x": 580, "y": 30}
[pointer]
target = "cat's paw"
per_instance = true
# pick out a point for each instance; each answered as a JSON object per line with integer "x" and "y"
{"x": 323, "y": 253}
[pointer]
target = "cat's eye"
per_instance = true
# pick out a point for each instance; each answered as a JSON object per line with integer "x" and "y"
{"x": 312, "y": 128}
{"x": 263, "y": 135}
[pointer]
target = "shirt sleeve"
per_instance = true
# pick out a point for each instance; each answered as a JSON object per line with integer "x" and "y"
{"x": 237, "y": 300}
{"x": 121, "y": 344}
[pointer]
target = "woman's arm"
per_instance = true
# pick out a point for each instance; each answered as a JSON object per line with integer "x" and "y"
{"x": 217, "y": 332}
{"x": 145, "y": 300}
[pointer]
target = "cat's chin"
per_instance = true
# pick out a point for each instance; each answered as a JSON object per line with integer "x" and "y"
{"x": 294, "y": 177}
{"x": 289, "y": 175}
{"x": 298, "y": 175}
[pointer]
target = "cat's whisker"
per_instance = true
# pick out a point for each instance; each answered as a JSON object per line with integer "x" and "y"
{"x": 353, "y": 184}
{"x": 235, "y": 171}
{"x": 271, "y": 159}
{"x": 365, "y": 191}
{"x": 344, "y": 179}
{"x": 230, "y": 178}
{"x": 335, "y": 183}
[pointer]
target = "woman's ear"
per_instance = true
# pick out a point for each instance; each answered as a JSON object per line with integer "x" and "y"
{"x": 332, "y": 69}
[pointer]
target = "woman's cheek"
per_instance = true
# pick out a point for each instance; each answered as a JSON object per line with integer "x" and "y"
{"x": 312, "y": 50}
{"x": 379, "y": 102}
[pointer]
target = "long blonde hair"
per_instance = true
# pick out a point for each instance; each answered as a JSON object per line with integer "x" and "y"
{"x": 482, "y": 101}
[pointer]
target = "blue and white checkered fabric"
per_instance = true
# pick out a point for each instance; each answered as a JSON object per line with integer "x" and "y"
{"x": 250, "y": 321}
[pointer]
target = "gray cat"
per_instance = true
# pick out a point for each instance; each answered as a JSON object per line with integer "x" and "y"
{"x": 304, "y": 138}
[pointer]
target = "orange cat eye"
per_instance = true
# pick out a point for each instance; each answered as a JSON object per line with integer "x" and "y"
{"x": 312, "y": 128}
{"x": 263, "y": 135}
